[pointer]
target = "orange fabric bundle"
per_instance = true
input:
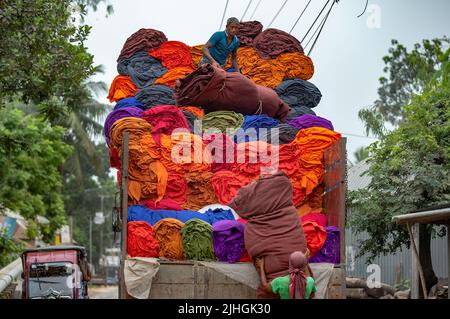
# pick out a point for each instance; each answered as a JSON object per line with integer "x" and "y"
{"x": 200, "y": 192}
{"x": 121, "y": 87}
{"x": 173, "y": 54}
{"x": 168, "y": 234}
{"x": 313, "y": 202}
{"x": 311, "y": 170}
{"x": 135, "y": 126}
{"x": 194, "y": 110}
{"x": 315, "y": 236}
{"x": 196, "y": 55}
{"x": 227, "y": 184}
{"x": 141, "y": 240}
{"x": 316, "y": 139}
{"x": 296, "y": 65}
{"x": 174, "y": 74}
{"x": 299, "y": 193}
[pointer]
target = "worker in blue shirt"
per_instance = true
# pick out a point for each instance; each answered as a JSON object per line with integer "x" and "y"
{"x": 221, "y": 44}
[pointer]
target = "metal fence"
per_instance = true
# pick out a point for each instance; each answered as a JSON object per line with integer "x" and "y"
{"x": 394, "y": 267}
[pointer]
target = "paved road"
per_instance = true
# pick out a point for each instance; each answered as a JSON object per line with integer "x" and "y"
{"x": 103, "y": 292}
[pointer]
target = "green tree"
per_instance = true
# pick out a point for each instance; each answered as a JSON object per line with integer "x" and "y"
{"x": 410, "y": 170}
{"x": 408, "y": 72}
{"x": 31, "y": 156}
{"x": 361, "y": 154}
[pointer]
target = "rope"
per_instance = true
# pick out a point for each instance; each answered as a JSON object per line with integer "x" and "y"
{"x": 326, "y": 17}
{"x": 223, "y": 16}
{"x": 365, "y": 8}
{"x": 300, "y": 16}
{"x": 279, "y": 11}
{"x": 315, "y": 21}
{"x": 254, "y": 11}
{"x": 246, "y": 9}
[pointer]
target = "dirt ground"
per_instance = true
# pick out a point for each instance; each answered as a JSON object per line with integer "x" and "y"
{"x": 103, "y": 292}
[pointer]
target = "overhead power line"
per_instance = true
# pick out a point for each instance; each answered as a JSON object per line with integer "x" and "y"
{"x": 256, "y": 8}
{"x": 223, "y": 16}
{"x": 317, "y": 18}
{"x": 315, "y": 32}
{"x": 246, "y": 9}
{"x": 300, "y": 16}
{"x": 365, "y": 8}
{"x": 323, "y": 24}
{"x": 279, "y": 11}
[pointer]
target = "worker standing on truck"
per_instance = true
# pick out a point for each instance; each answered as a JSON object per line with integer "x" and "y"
{"x": 218, "y": 48}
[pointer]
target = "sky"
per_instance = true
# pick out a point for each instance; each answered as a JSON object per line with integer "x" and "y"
{"x": 347, "y": 56}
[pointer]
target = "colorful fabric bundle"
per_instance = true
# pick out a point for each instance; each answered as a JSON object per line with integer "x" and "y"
{"x": 252, "y": 157}
{"x": 176, "y": 189}
{"x": 313, "y": 202}
{"x": 228, "y": 240}
{"x": 173, "y": 54}
{"x": 273, "y": 229}
{"x": 248, "y": 31}
{"x": 174, "y": 74}
{"x": 141, "y": 213}
{"x": 214, "y": 89}
{"x": 281, "y": 134}
{"x": 316, "y": 236}
{"x": 272, "y": 42}
{"x": 141, "y": 240}
{"x": 135, "y": 126}
{"x": 196, "y": 55}
{"x": 198, "y": 112}
{"x": 330, "y": 251}
{"x": 122, "y": 87}
{"x": 223, "y": 121}
{"x": 164, "y": 119}
{"x": 142, "y": 69}
{"x": 199, "y": 192}
{"x": 308, "y": 120}
{"x": 298, "y": 191}
{"x": 142, "y": 40}
{"x": 222, "y": 149}
{"x": 245, "y": 258}
{"x": 317, "y": 217}
{"x": 167, "y": 204}
{"x": 217, "y": 214}
{"x": 296, "y": 65}
{"x": 190, "y": 119}
{"x": 299, "y": 111}
{"x": 154, "y": 95}
{"x": 168, "y": 233}
{"x": 197, "y": 240}
{"x": 316, "y": 139}
{"x": 117, "y": 115}
{"x": 129, "y": 101}
{"x": 227, "y": 184}
{"x": 297, "y": 93}
{"x": 252, "y": 126}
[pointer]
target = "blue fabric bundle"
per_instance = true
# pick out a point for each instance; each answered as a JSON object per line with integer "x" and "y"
{"x": 154, "y": 95}
{"x": 142, "y": 68}
{"x": 252, "y": 124}
{"x": 141, "y": 213}
{"x": 129, "y": 101}
{"x": 298, "y": 92}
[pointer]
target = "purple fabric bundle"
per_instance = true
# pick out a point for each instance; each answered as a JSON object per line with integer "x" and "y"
{"x": 228, "y": 240}
{"x": 115, "y": 115}
{"x": 309, "y": 120}
{"x": 330, "y": 251}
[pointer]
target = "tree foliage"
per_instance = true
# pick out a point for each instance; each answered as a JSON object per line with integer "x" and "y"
{"x": 407, "y": 73}
{"x": 31, "y": 156}
{"x": 409, "y": 169}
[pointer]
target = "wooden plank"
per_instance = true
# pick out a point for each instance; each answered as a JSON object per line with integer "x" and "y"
{"x": 439, "y": 216}
{"x": 124, "y": 210}
{"x": 414, "y": 265}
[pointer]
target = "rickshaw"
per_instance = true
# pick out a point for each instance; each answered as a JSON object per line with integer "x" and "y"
{"x": 55, "y": 272}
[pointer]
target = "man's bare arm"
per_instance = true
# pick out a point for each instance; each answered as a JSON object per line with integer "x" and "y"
{"x": 208, "y": 54}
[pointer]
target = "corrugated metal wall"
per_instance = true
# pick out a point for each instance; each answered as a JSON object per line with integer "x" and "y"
{"x": 392, "y": 266}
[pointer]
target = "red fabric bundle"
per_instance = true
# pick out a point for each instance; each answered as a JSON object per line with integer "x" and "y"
{"x": 164, "y": 119}
{"x": 142, "y": 40}
{"x": 227, "y": 184}
{"x": 245, "y": 258}
{"x": 141, "y": 240}
{"x": 272, "y": 42}
{"x": 315, "y": 236}
{"x": 114, "y": 158}
{"x": 317, "y": 217}
{"x": 217, "y": 90}
{"x": 173, "y": 54}
{"x": 222, "y": 149}
{"x": 166, "y": 204}
{"x": 176, "y": 188}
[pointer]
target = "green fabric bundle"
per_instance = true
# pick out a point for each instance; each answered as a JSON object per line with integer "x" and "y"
{"x": 197, "y": 240}
{"x": 223, "y": 120}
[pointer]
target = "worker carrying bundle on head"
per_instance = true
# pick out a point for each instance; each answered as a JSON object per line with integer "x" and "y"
{"x": 221, "y": 44}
